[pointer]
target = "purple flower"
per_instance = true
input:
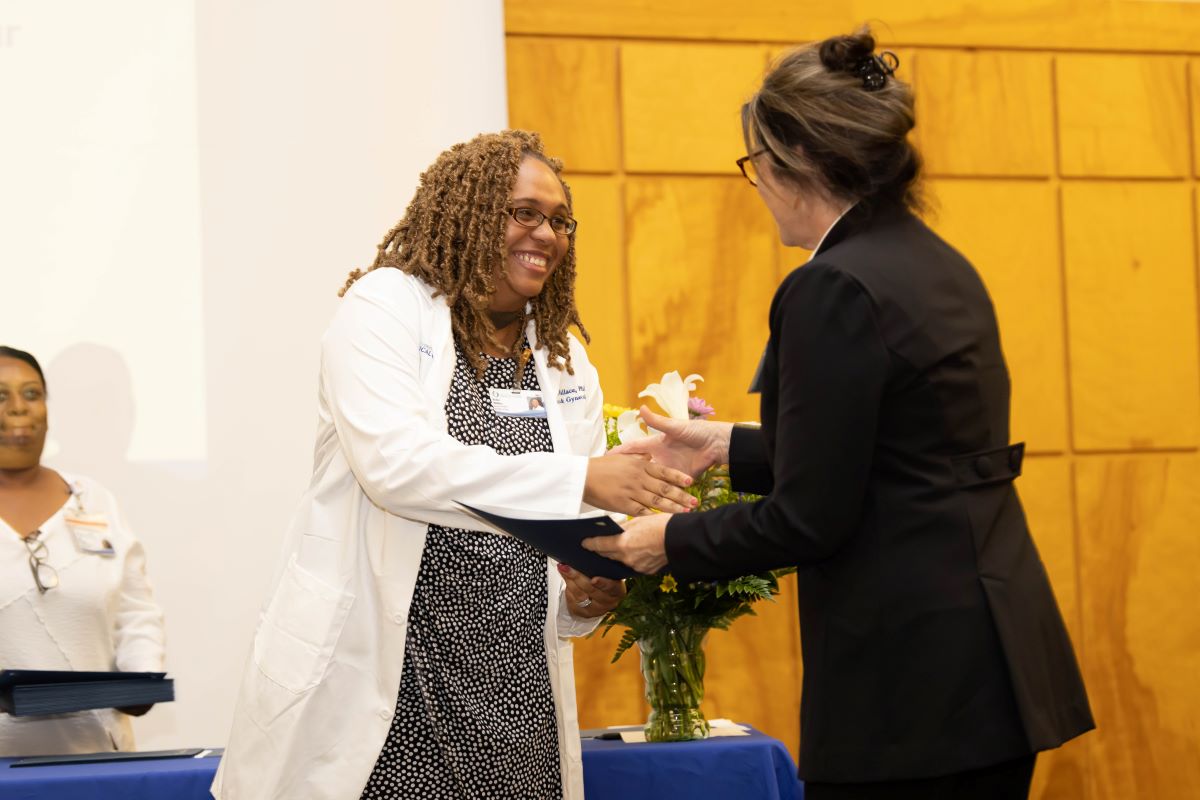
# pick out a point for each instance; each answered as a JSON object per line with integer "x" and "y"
{"x": 697, "y": 408}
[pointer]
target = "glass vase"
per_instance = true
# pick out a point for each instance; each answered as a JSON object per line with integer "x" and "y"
{"x": 673, "y": 668}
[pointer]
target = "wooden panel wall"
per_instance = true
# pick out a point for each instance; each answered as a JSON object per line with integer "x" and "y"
{"x": 1062, "y": 143}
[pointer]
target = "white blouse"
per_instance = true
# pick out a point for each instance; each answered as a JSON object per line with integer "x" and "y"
{"x": 101, "y": 616}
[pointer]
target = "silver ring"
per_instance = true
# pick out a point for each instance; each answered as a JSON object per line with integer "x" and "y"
{"x": 585, "y": 602}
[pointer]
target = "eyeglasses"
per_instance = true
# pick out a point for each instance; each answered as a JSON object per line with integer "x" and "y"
{"x": 44, "y": 575}
{"x": 532, "y": 218}
{"x": 746, "y": 165}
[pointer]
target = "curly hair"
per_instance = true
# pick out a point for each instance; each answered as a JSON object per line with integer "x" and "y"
{"x": 452, "y": 238}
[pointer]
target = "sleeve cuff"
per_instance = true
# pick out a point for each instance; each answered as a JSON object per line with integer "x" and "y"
{"x": 749, "y": 469}
{"x": 571, "y": 626}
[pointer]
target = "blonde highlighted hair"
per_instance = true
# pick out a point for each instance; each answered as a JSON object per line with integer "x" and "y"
{"x": 835, "y": 119}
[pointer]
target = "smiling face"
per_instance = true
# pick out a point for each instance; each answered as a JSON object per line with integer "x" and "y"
{"x": 23, "y": 417}
{"x": 531, "y": 254}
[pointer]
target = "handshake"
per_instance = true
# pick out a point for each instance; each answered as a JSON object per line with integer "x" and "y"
{"x": 652, "y": 473}
{"x": 648, "y": 475}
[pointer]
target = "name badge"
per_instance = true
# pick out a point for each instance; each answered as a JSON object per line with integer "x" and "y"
{"x": 518, "y": 403}
{"x": 90, "y": 532}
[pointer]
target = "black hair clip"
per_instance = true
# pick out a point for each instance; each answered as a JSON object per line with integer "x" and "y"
{"x": 876, "y": 69}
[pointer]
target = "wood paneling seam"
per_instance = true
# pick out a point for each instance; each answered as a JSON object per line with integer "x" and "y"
{"x": 1056, "y": 189}
{"x": 884, "y": 42}
{"x": 623, "y": 218}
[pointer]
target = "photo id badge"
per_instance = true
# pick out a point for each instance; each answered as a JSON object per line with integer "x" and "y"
{"x": 518, "y": 403}
{"x": 90, "y": 532}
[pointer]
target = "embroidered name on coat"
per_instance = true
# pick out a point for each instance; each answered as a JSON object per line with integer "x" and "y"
{"x": 575, "y": 395}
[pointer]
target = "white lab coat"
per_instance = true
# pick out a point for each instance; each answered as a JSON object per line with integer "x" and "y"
{"x": 101, "y": 616}
{"x": 319, "y": 692}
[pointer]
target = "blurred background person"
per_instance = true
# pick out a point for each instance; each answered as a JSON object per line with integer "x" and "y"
{"x": 73, "y": 588}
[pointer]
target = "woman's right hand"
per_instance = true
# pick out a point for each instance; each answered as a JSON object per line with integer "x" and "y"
{"x": 690, "y": 446}
{"x": 634, "y": 485}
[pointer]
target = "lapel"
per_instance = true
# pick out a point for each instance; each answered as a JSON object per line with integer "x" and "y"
{"x": 551, "y": 381}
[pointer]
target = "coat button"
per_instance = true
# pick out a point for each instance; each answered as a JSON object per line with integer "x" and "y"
{"x": 385, "y": 713}
{"x": 398, "y": 618}
{"x": 983, "y": 467}
{"x": 1014, "y": 459}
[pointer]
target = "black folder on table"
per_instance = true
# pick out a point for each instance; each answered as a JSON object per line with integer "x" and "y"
{"x": 30, "y": 692}
{"x": 560, "y": 539}
{"x": 117, "y": 755}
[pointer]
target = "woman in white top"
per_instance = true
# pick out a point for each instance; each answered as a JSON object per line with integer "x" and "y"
{"x": 73, "y": 588}
{"x": 405, "y": 652}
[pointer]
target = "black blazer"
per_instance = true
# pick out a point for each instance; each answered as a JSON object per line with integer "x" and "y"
{"x": 932, "y": 643}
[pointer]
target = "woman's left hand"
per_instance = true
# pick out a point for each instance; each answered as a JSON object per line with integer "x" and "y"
{"x": 590, "y": 597}
{"x": 643, "y": 545}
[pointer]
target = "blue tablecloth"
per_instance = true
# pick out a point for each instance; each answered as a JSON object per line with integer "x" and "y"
{"x": 160, "y": 779}
{"x": 754, "y": 767}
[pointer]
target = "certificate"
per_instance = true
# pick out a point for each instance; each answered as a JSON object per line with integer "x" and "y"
{"x": 560, "y": 539}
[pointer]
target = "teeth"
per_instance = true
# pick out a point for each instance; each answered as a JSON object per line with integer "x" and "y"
{"x": 529, "y": 258}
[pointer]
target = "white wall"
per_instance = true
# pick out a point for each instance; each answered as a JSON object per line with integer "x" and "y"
{"x": 100, "y": 201}
{"x": 227, "y": 164}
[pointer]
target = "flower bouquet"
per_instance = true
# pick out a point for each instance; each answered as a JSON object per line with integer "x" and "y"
{"x": 669, "y": 619}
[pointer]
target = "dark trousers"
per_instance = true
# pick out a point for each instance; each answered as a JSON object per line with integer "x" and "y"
{"x": 1006, "y": 781}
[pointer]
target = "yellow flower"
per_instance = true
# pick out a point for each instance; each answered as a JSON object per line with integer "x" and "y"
{"x": 668, "y": 584}
{"x": 612, "y": 411}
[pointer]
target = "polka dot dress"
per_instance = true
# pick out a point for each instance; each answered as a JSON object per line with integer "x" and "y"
{"x": 475, "y": 714}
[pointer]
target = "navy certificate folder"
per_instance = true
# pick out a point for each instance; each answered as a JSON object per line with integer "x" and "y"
{"x": 560, "y": 539}
{"x": 30, "y": 692}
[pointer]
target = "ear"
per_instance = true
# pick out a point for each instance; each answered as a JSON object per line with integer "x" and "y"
{"x": 800, "y": 199}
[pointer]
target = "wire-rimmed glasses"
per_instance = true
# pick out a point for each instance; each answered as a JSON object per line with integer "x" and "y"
{"x": 531, "y": 218}
{"x": 44, "y": 575}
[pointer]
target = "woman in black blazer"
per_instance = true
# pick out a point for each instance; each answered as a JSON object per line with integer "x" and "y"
{"x": 936, "y": 662}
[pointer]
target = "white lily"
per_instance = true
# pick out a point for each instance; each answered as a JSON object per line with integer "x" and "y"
{"x": 630, "y": 428}
{"x": 672, "y": 392}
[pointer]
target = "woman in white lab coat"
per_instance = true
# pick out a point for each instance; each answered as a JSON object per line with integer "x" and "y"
{"x": 73, "y": 587}
{"x": 404, "y": 653}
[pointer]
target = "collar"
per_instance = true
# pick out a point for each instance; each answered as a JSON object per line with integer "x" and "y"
{"x": 833, "y": 225}
{"x": 856, "y": 219}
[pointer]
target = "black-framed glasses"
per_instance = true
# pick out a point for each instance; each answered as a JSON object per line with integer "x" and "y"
{"x": 44, "y": 575}
{"x": 746, "y": 165}
{"x": 531, "y": 218}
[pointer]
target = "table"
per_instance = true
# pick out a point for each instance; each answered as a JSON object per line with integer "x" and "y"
{"x": 754, "y": 767}
{"x": 160, "y": 779}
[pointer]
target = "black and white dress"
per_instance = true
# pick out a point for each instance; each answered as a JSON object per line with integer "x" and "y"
{"x": 475, "y": 715}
